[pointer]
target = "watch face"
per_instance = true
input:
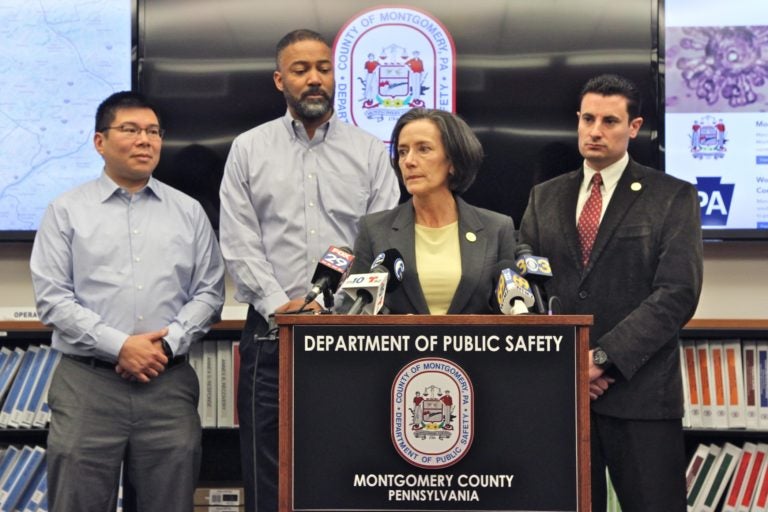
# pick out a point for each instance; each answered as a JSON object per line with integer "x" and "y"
{"x": 599, "y": 356}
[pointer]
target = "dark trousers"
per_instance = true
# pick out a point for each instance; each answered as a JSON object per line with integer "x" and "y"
{"x": 100, "y": 420}
{"x": 258, "y": 414}
{"x": 646, "y": 462}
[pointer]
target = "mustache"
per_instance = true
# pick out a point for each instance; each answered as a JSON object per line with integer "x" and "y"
{"x": 315, "y": 91}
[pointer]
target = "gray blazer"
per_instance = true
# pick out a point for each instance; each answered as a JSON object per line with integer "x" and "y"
{"x": 493, "y": 241}
{"x": 642, "y": 282}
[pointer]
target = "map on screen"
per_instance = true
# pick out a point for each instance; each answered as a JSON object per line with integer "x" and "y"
{"x": 58, "y": 60}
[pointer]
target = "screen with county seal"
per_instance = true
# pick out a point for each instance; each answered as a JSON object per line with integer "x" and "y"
{"x": 58, "y": 60}
{"x": 716, "y": 110}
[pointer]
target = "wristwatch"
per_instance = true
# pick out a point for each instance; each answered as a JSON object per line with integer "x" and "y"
{"x": 167, "y": 350}
{"x": 600, "y": 358}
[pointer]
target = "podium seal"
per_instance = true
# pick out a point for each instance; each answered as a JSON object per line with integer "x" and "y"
{"x": 432, "y": 413}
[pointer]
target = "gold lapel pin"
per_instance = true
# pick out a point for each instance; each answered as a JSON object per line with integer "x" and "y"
{"x": 636, "y": 186}
{"x": 471, "y": 237}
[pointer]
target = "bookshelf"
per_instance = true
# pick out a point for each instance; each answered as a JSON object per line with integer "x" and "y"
{"x": 221, "y": 457}
{"x": 745, "y": 482}
{"x": 220, "y": 464}
{"x": 715, "y": 329}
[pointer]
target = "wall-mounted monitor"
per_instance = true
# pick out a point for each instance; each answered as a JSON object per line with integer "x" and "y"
{"x": 208, "y": 67}
{"x": 716, "y": 110}
{"x": 518, "y": 69}
{"x": 59, "y": 60}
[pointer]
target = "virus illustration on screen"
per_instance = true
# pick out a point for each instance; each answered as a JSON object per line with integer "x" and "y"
{"x": 732, "y": 63}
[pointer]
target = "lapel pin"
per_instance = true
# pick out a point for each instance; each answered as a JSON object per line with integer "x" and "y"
{"x": 471, "y": 237}
{"x": 636, "y": 186}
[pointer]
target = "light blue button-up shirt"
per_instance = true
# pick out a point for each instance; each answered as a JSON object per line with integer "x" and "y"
{"x": 285, "y": 199}
{"x": 107, "y": 264}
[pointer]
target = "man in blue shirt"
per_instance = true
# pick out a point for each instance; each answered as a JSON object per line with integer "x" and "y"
{"x": 128, "y": 272}
{"x": 292, "y": 187}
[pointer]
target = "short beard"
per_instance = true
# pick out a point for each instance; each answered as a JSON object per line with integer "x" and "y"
{"x": 309, "y": 109}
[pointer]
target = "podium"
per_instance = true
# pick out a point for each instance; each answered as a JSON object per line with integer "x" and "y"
{"x": 419, "y": 412}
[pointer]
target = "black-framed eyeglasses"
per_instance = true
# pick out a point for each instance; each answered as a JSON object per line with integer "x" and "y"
{"x": 132, "y": 131}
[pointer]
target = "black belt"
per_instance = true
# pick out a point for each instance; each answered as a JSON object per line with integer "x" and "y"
{"x": 95, "y": 362}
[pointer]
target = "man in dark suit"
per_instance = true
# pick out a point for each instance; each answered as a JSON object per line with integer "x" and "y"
{"x": 625, "y": 247}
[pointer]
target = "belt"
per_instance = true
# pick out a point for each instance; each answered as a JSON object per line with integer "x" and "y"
{"x": 95, "y": 362}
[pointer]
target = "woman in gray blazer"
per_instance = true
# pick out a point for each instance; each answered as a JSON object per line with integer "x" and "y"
{"x": 451, "y": 249}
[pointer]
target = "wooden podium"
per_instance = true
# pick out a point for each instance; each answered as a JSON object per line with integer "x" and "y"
{"x": 424, "y": 412}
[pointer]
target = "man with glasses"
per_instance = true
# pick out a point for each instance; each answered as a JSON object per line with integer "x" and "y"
{"x": 128, "y": 273}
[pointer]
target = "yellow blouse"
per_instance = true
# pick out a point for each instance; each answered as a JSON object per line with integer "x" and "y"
{"x": 438, "y": 262}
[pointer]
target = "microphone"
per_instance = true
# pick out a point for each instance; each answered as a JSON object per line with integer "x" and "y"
{"x": 537, "y": 271}
{"x": 368, "y": 290}
{"x": 513, "y": 293}
{"x": 330, "y": 271}
{"x": 391, "y": 262}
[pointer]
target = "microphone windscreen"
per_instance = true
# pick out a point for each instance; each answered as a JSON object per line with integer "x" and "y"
{"x": 523, "y": 250}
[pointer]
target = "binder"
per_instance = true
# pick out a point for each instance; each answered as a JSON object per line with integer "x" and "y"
{"x": 692, "y": 383}
{"x": 18, "y": 383}
{"x": 14, "y": 473}
{"x": 740, "y": 477}
{"x": 757, "y": 469}
{"x": 751, "y": 384}
{"x": 225, "y": 407}
{"x": 697, "y": 487}
{"x": 43, "y": 413}
{"x": 734, "y": 377}
{"x": 9, "y": 370}
{"x": 34, "y": 400}
{"x": 25, "y": 477}
{"x": 707, "y": 407}
{"x": 208, "y": 393}
{"x": 718, "y": 384}
{"x": 762, "y": 378}
{"x": 718, "y": 478}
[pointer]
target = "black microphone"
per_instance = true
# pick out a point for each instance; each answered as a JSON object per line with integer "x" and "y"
{"x": 392, "y": 262}
{"x": 329, "y": 272}
{"x": 387, "y": 271}
{"x": 537, "y": 271}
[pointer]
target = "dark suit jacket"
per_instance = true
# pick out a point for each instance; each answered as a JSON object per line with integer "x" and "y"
{"x": 494, "y": 240}
{"x": 642, "y": 282}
